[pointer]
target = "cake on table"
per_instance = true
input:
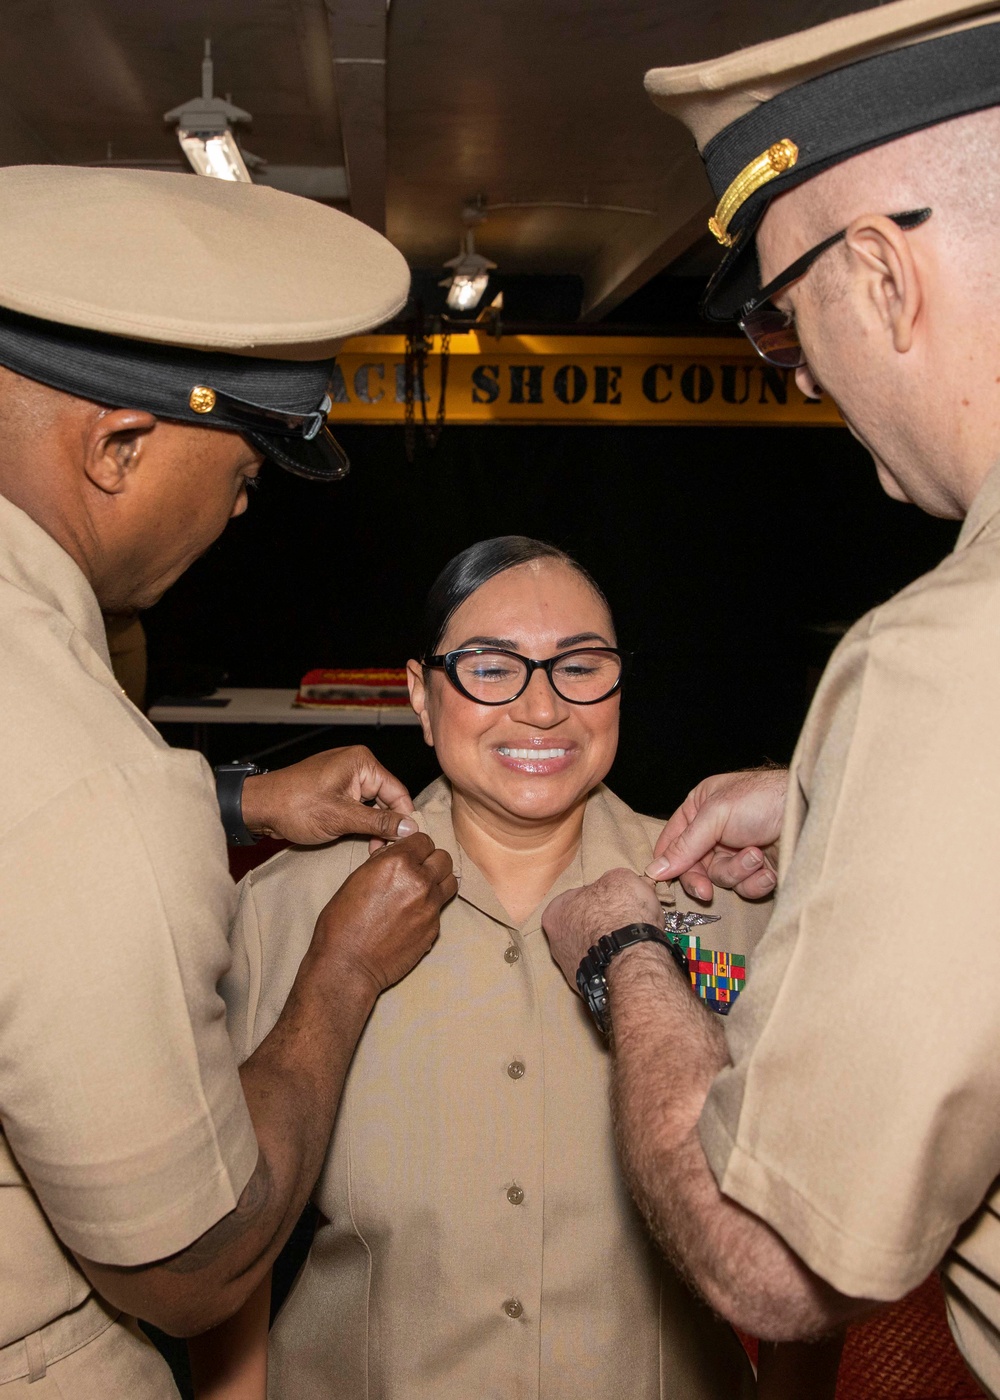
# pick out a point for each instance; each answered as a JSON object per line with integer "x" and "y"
{"x": 359, "y": 688}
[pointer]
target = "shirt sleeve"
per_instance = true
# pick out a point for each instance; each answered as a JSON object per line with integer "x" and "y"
{"x": 859, "y": 1115}
{"x": 119, "y": 1092}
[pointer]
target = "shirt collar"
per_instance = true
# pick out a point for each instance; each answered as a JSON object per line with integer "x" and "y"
{"x": 434, "y": 811}
{"x": 984, "y": 509}
{"x": 613, "y": 835}
{"x": 32, "y": 561}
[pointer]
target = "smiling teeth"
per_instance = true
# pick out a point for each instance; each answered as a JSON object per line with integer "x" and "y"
{"x": 531, "y": 753}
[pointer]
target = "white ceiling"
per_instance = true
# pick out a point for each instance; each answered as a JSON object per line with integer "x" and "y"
{"x": 537, "y": 103}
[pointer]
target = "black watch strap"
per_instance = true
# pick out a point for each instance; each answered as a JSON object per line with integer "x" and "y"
{"x": 591, "y": 976}
{"x": 229, "y": 780}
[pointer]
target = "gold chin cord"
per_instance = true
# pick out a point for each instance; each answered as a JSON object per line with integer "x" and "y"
{"x": 774, "y": 162}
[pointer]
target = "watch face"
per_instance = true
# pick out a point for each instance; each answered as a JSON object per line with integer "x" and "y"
{"x": 594, "y": 991}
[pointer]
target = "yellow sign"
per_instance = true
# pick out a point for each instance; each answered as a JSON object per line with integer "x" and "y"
{"x": 574, "y": 379}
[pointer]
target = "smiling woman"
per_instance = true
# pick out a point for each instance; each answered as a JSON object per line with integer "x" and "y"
{"x": 476, "y": 1237}
{"x": 541, "y": 730}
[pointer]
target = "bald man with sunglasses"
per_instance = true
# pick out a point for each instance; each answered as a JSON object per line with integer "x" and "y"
{"x": 837, "y": 1138}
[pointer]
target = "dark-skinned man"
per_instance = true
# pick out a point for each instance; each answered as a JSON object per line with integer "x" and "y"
{"x": 161, "y": 336}
{"x": 837, "y": 1138}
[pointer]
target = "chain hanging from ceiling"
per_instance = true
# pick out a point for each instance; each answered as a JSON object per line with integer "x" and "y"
{"x": 419, "y": 346}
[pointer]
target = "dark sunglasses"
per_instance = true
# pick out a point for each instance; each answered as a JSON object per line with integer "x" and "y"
{"x": 494, "y": 676}
{"x": 770, "y": 330}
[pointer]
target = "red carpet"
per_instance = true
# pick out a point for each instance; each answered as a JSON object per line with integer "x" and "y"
{"x": 906, "y": 1353}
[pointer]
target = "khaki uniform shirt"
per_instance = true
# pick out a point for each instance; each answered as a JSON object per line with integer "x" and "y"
{"x": 478, "y": 1240}
{"x": 123, "y": 1131}
{"x": 861, "y": 1117}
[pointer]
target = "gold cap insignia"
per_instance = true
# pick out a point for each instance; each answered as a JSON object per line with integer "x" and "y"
{"x": 774, "y": 162}
{"x": 202, "y": 399}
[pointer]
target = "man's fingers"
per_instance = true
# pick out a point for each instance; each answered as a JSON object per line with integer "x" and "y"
{"x": 379, "y": 822}
{"x": 730, "y": 868}
{"x": 376, "y": 782}
{"x": 416, "y": 848}
{"x": 748, "y": 872}
{"x": 438, "y": 865}
{"x": 674, "y": 828}
{"x": 690, "y": 845}
{"x": 697, "y": 884}
{"x": 757, "y": 886}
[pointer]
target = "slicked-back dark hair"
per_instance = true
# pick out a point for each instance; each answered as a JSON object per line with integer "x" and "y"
{"x": 469, "y": 570}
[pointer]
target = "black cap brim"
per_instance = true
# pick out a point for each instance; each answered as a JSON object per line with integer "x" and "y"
{"x": 278, "y": 405}
{"x": 320, "y": 458}
{"x": 737, "y": 278}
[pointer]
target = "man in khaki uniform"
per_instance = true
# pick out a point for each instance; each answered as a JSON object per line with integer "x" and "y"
{"x": 841, "y": 1139}
{"x": 160, "y": 336}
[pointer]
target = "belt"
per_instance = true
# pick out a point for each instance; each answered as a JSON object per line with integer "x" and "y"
{"x": 30, "y": 1355}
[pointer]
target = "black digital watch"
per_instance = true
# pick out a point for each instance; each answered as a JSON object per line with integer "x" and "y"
{"x": 591, "y": 978}
{"x": 229, "y": 780}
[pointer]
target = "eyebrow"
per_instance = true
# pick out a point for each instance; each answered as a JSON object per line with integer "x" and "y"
{"x": 583, "y": 637}
{"x": 509, "y": 644}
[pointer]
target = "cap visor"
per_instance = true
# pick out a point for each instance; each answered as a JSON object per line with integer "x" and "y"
{"x": 320, "y": 458}
{"x": 737, "y": 278}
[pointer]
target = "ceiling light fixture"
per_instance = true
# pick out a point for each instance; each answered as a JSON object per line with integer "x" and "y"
{"x": 204, "y": 129}
{"x": 470, "y": 270}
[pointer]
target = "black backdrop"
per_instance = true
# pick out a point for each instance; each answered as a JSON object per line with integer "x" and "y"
{"x": 721, "y": 551}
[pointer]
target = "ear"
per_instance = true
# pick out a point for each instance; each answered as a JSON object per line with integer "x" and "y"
{"x": 892, "y": 274}
{"x": 808, "y": 384}
{"x": 418, "y": 698}
{"x": 114, "y": 442}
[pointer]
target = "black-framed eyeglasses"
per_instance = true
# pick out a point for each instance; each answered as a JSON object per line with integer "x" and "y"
{"x": 770, "y": 330}
{"x": 493, "y": 676}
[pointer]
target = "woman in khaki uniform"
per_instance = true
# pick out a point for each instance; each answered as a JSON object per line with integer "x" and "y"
{"x": 476, "y": 1237}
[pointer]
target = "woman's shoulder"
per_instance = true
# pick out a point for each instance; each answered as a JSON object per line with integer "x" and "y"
{"x": 652, "y": 826}
{"x": 279, "y": 903}
{"x": 638, "y": 830}
{"x": 297, "y": 871}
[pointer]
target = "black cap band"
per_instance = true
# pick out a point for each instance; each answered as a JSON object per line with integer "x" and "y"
{"x": 838, "y": 115}
{"x": 277, "y": 404}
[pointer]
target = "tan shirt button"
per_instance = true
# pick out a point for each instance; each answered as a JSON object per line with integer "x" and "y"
{"x": 513, "y": 1308}
{"x": 515, "y": 1195}
{"x": 511, "y": 954}
{"x": 515, "y": 1069}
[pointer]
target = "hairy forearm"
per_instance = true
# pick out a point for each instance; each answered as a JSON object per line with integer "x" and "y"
{"x": 292, "y": 1085}
{"x": 668, "y": 1049}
